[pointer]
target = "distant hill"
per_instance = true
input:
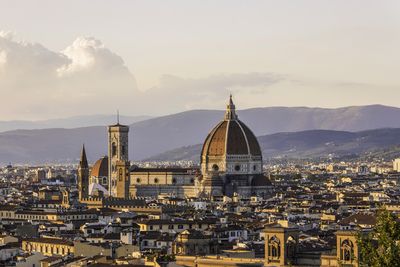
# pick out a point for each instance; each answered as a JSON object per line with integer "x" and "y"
{"x": 71, "y": 122}
{"x": 308, "y": 144}
{"x": 156, "y": 135}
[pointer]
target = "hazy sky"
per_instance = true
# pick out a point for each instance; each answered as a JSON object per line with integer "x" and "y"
{"x": 61, "y": 58}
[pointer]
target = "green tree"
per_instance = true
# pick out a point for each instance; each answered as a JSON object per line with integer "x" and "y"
{"x": 381, "y": 247}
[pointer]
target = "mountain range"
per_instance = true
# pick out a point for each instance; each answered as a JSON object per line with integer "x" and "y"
{"x": 150, "y": 137}
{"x": 71, "y": 122}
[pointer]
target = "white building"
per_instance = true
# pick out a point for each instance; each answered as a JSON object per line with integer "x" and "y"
{"x": 396, "y": 165}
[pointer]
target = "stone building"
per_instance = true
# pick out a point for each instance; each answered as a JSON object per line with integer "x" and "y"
{"x": 281, "y": 244}
{"x": 231, "y": 164}
{"x": 117, "y": 151}
{"x": 192, "y": 242}
{"x": 48, "y": 246}
{"x": 231, "y": 160}
{"x": 151, "y": 182}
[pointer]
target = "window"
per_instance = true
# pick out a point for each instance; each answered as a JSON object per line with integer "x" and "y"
{"x": 254, "y": 167}
{"x": 120, "y": 174}
{"x": 237, "y": 168}
{"x": 171, "y": 226}
{"x": 274, "y": 248}
{"x": 192, "y": 181}
{"x": 347, "y": 251}
{"x": 156, "y": 180}
{"x": 291, "y": 247}
{"x": 138, "y": 180}
{"x": 180, "y": 226}
{"x": 215, "y": 167}
{"x": 174, "y": 180}
{"x": 123, "y": 150}
{"x": 113, "y": 149}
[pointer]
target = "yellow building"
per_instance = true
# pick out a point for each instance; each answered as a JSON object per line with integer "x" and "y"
{"x": 175, "y": 226}
{"x": 48, "y": 246}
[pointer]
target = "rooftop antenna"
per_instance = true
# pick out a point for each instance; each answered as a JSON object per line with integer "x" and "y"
{"x": 117, "y": 116}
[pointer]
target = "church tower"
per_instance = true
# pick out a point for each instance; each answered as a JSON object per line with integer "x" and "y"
{"x": 83, "y": 175}
{"x": 117, "y": 151}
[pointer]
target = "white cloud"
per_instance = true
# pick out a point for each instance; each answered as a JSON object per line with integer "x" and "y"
{"x": 82, "y": 77}
{"x": 88, "y": 78}
{"x": 89, "y": 54}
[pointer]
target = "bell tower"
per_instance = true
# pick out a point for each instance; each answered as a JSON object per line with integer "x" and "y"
{"x": 347, "y": 248}
{"x": 281, "y": 243}
{"x": 83, "y": 175}
{"x": 117, "y": 151}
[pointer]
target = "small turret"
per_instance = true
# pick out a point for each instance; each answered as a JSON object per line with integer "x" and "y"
{"x": 230, "y": 113}
{"x": 83, "y": 175}
{"x": 83, "y": 161}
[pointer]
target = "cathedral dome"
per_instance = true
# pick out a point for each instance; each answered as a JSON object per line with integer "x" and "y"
{"x": 231, "y": 137}
{"x": 100, "y": 168}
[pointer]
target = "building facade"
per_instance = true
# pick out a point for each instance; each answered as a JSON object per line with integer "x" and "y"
{"x": 231, "y": 160}
{"x": 231, "y": 165}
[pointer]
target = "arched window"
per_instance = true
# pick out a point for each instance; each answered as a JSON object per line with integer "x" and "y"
{"x": 114, "y": 149}
{"x": 123, "y": 150}
{"x": 138, "y": 180}
{"x": 291, "y": 247}
{"x": 347, "y": 251}
{"x": 215, "y": 167}
{"x": 274, "y": 247}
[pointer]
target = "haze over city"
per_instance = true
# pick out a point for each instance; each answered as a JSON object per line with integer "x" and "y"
{"x": 162, "y": 57}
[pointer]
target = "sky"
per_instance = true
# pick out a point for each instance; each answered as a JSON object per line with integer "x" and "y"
{"x": 61, "y": 58}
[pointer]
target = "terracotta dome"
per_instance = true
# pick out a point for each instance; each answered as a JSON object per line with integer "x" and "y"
{"x": 100, "y": 168}
{"x": 231, "y": 137}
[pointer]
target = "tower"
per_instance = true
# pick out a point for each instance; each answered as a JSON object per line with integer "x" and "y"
{"x": 117, "y": 151}
{"x": 281, "y": 243}
{"x": 83, "y": 175}
{"x": 347, "y": 249}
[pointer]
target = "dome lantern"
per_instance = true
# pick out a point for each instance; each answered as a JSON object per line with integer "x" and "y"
{"x": 230, "y": 113}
